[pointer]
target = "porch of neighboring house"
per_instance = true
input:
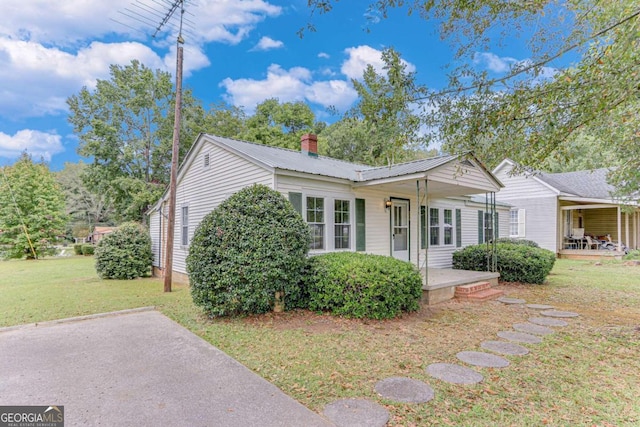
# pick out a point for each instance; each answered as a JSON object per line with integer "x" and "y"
{"x": 597, "y": 231}
{"x": 441, "y": 283}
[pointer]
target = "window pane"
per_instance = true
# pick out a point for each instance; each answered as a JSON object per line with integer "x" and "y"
{"x": 513, "y": 223}
{"x": 434, "y": 226}
{"x": 315, "y": 219}
{"x": 448, "y": 227}
{"x": 488, "y": 227}
{"x": 342, "y": 224}
{"x": 184, "y": 221}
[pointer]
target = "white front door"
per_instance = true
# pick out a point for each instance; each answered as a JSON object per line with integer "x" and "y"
{"x": 400, "y": 230}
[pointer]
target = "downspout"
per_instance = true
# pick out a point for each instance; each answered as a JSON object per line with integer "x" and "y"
{"x": 495, "y": 227}
{"x": 426, "y": 239}
{"x": 419, "y": 222}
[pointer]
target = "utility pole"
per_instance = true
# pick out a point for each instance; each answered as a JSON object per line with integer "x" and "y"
{"x": 171, "y": 220}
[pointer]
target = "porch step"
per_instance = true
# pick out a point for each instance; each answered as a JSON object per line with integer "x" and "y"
{"x": 483, "y": 295}
{"x": 471, "y": 288}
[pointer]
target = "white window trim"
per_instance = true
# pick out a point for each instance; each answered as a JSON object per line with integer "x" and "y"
{"x": 182, "y": 226}
{"x": 325, "y": 238}
{"x": 351, "y": 223}
{"x": 329, "y": 219}
{"x": 441, "y": 226}
{"x": 521, "y": 223}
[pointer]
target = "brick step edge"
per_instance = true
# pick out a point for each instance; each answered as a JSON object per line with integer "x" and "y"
{"x": 482, "y": 295}
{"x": 472, "y": 287}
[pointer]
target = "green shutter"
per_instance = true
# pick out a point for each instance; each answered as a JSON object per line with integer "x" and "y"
{"x": 296, "y": 201}
{"x": 423, "y": 227}
{"x": 361, "y": 233}
{"x": 480, "y": 227}
{"x": 458, "y": 228}
{"x": 496, "y": 231}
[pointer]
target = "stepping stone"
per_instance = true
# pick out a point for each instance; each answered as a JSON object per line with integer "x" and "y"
{"x": 547, "y": 321}
{"x": 520, "y": 337}
{"x": 530, "y": 328}
{"x": 455, "y": 374}
{"x": 558, "y": 313}
{"x": 356, "y": 413}
{"x": 540, "y": 306}
{"x": 405, "y": 390}
{"x": 484, "y": 360}
{"x": 507, "y": 300}
{"x": 505, "y": 348}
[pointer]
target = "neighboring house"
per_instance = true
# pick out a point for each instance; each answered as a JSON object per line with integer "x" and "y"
{"x": 398, "y": 210}
{"x": 98, "y": 233}
{"x": 572, "y": 214}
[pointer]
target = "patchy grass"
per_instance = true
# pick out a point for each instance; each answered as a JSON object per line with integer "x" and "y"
{"x": 587, "y": 373}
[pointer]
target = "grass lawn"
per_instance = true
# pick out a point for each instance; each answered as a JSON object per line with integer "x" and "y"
{"x": 587, "y": 373}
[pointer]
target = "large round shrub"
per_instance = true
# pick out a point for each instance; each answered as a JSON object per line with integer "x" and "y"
{"x": 514, "y": 241}
{"x": 516, "y": 263}
{"x": 125, "y": 253}
{"x": 361, "y": 285}
{"x": 250, "y": 247}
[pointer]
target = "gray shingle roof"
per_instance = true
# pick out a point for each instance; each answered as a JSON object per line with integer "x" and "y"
{"x": 292, "y": 160}
{"x": 587, "y": 184}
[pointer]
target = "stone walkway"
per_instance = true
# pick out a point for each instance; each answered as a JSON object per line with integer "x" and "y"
{"x": 365, "y": 413}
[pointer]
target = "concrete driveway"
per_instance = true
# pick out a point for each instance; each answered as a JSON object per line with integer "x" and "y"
{"x": 138, "y": 369}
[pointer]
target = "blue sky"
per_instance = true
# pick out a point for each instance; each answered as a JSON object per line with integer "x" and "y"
{"x": 241, "y": 52}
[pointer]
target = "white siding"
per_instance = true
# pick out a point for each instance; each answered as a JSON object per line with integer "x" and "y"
{"x": 463, "y": 175}
{"x": 540, "y": 204}
{"x": 154, "y": 231}
{"x": 202, "y": 189}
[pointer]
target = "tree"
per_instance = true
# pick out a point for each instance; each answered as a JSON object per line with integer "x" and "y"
{"x": 382, "y": 128}
{"x": 279, "y": 125}
{"x": 31, "y": 209}
{"x": 82, "y": 205}
{"x": 125, "y": 125}
{"x": 542, "y": 103}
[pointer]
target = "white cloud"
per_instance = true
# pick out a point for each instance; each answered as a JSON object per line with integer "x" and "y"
{"x": 37, "y": 80}
{"x": 361, "y": 56}
{"x": 506, "y": 64}
{"x": 38, "y": 144}
{"x": 290, "y": 85}
{"x": 65, "y": 23}
{"x": 267, "y": 43}
{"x": 493, "y": 62}
{"x": 324, "y": 55}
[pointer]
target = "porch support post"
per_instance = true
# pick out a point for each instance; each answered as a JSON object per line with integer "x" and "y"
{"x": 495, "y": 227}
{"x": 619, "y": 229}
{"x": 426, "y": 237}
{"x": 419, "y": 222}
{"x": 626, "y": 230}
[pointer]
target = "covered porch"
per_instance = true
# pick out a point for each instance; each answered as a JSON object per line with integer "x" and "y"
{"x": 590, "y": 230}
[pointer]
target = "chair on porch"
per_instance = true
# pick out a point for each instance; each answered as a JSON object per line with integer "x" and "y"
{"x": 592, "y": 244}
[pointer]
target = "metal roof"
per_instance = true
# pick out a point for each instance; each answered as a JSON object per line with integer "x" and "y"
{"x": 297, "y": 161}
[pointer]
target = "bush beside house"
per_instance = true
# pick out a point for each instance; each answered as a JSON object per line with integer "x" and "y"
{"x": 516, "y": 262}
{"x": 247, "y": 253}
{"x": 361, "y": 285}
{"x": 124, "y": 253}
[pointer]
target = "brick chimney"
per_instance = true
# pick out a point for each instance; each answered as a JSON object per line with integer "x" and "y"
{"x": 309, "y": 144}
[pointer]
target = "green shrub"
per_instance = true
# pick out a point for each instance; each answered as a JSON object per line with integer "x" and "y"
{"x": 77, "y": 249}
{"x": 632, "y": 255}
{"x": 513, "y": 241}
{"x": 87, "y": 249}
{"x": 125, "y": 253}
{"x": 251, "y": 246}
{"x": 361, "y": 285}
{"x": 516, "y": 263}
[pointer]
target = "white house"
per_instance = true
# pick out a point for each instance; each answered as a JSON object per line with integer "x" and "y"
{"x": 572, "y": 214}
{"x": 418, "y": 211}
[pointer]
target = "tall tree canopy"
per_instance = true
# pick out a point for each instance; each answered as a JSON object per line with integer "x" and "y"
{"x": 32, "y": 209}
{"x": 582, "y": 77}
{"x": 125, "y": 126}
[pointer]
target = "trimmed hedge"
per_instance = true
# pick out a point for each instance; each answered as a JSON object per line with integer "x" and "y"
{"x": 125, "y": 253}
{"x": 87, "y": 249}
{"x": 362, "y": 285}
{"x": 251, "y": 246}
{"x": 516, "y": 263}
{"x": 513, "y": 241}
